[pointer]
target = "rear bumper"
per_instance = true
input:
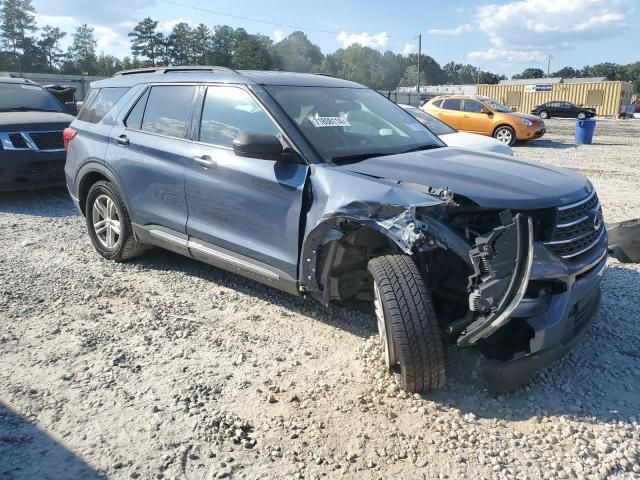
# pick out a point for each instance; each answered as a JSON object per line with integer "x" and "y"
{"x": 26, "y": 170}
{"x": 556, "y": 321}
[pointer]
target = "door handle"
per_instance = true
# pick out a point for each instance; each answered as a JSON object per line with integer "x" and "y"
{"x": 204, "y": 160}
{"x": 122, "y": 140}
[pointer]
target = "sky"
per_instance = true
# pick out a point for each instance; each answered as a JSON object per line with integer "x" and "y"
{"x": 500, "y": 36}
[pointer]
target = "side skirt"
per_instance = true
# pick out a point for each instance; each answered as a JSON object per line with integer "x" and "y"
{"x": 216, "y": 256}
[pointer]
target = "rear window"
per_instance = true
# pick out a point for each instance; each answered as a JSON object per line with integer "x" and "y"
{"x": 27, "y": 97}
{"x": 166, "y": 111}
{"x": 452, "y": 104}
{"x": 99, "y": 102}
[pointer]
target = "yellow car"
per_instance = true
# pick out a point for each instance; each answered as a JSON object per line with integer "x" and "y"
{"x": 476, "y": 114}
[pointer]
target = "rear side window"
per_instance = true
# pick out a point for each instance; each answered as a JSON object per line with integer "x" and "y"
{"x": 438, "y": 103}
{"x": 98, "y": 105}
{"x": 134, "y": 120}
{"x": 167, "y": 110}
{"x": 451, "y": 104}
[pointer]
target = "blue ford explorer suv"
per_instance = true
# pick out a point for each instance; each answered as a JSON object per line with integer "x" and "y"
{"x": 323, "y": 188}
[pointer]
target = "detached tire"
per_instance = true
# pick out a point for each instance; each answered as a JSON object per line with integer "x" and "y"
{"x": 109, "y": 224}
{"x": 407, "y": 324}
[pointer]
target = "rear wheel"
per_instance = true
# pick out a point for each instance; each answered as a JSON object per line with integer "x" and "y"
{"x": 109, "y": 224}
{"x": 505, "y": 134}
{"x": 407, "y": 324}
{"x": 582, "y": 115}
{"x": 544, "y": 114}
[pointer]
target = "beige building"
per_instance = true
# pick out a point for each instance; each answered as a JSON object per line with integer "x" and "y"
{"x": 608, "y": 98}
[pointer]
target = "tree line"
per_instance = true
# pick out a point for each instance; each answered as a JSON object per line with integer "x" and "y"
{"x": 27, "y": 47}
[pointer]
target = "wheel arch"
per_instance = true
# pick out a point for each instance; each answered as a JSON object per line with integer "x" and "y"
{"x": 94, "y": 172}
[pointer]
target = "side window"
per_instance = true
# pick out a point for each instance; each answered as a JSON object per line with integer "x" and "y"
{"x": 100, "y": 104}
{"x": 472, "y": 106}
{"x": 451, "y": 104}
{"x": 438, "y": 103}
{"x": 230, "y": 111}
{"x": 167, "y": 110}
{"x": 86, "y": 105}
{"x": 134, "y": 119}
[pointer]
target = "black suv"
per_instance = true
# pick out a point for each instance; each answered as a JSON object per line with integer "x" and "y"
{"x": 324, "y": 188}
{"x": 563, "y": 109}
{"x": 31, "y": 146}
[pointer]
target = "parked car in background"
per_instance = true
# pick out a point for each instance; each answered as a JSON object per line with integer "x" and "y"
{"x": 31, "y": 125}
{"x": 323, "y": 188}
{"x": 563, "y": 110}
{"x": 484, "y": 116}
{"x": 453, "y": 138}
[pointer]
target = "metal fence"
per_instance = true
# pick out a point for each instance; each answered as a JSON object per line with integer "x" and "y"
{"x": 407, "y": 98}
{"x": 80, "y": 82}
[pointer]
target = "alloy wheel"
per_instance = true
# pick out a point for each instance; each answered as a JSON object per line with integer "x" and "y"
{"x": 106, "y": 222}
{"x": 504, "y": 136}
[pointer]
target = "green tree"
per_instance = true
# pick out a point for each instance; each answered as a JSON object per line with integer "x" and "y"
{"x": 529, "y": 73}
{"x": 49, "y": 46}
{"x": 202, "y": 44}
{"x": 567, "y": 72}
{"x": 146, "y": 41}
{"x": 107, "y": 65}
{"x": 251, "y": 51}
{"x": 181, "y": 44}
{"x": 224, "y": 41}
{"x": 296, "y": 53}
{"x": 17, "y": 22}
{"x": 81, "y": 56}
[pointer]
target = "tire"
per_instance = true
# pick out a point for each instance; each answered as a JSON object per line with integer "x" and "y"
{"x": 505, "y": 134}
{"x": 407, "y": 324}
{"x": 105, "y": 209}
{"x": 544, "y": 114}
{"x": 582, "y": 115}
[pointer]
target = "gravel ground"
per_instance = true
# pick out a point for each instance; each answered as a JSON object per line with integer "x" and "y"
{"x": 167, "y": 368}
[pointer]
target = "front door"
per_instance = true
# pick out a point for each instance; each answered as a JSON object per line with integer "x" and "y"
{"x": 247, "y": 206}
{"x": 473, "y": 120}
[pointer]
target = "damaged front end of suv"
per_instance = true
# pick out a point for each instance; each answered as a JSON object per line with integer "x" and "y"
{"x": 475, "y": 262}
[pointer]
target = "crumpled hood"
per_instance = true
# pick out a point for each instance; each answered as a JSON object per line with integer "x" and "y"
{"x": 493, "y": 181}
{"x": 33, "y": 121}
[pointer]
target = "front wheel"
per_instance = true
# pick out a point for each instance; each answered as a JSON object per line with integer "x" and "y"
{"x": 544, "y": 114}
{"x": 505, "y": 135}
{"x": 407, "y": 324}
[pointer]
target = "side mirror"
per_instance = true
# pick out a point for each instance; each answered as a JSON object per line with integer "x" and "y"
{"x": 486, "y": 111}
{"x": 258, "y": 145}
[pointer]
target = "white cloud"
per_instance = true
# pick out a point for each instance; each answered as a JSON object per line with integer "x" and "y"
{"x": 549, "y": 24}
{"x": 459, "y": 30}
{"x": 506, "y": 56}
{"x": 278, "y": 35}
{"x": 409, "y": 48}
{"x": 378, "y": 40}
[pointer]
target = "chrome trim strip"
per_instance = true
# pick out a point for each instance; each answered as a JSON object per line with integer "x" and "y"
{"x": 587, "y": 248}
{"x": 571, "y": 224}
{"x": 232, "y": 260}
{"x": 569, "y": 240}
{"x": 576, "y": 204}
{"x": 181, "y": 242}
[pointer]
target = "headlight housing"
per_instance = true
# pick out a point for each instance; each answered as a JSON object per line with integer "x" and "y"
{"x": 525, "y": 122}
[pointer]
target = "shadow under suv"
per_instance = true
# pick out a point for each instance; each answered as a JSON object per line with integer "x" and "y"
{"x": 323, "y": 188}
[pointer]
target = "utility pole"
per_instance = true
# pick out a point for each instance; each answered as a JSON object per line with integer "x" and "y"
{"x": 549, "y": 58}
{"x": 419, "y": 55}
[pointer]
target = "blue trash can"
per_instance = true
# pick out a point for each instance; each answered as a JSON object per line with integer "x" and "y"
{"x": 584, "y": 131}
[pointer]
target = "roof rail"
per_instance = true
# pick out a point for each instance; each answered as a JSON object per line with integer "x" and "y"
{"x": 172, "y": 69}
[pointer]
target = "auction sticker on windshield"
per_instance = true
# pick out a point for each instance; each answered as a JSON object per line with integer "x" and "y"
{"x": 329, "y": 122}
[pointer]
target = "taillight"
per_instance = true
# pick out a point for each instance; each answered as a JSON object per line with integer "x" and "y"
{"x": 68, "y": 134}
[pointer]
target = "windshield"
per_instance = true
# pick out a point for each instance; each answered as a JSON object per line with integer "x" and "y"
{"x": 498, "y": 107}
{"x": 20, "y": 96}
{"x": 432, "y": 123}
{"x": 352, "y": 123}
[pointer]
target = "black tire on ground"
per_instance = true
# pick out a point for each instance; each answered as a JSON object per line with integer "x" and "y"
{"x": 125, "y": 247}
{"x": 582, "y": 115}
{"x": 544, "y": 114}
{"x": 416, "y": 345}
{"x": 505, "y": 134}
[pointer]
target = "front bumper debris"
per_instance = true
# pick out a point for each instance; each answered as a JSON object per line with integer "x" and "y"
{"x": 502, "y": 262}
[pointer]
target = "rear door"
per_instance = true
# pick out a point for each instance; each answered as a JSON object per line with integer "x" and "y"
{"x": 249, "y": 207}
{"x": 450, "y": 113}
{"x": 149, "y": 152}
{"x": 473, "y": 120}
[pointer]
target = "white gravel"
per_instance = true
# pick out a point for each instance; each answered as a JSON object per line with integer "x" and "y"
{"x": 167, "y": 368}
